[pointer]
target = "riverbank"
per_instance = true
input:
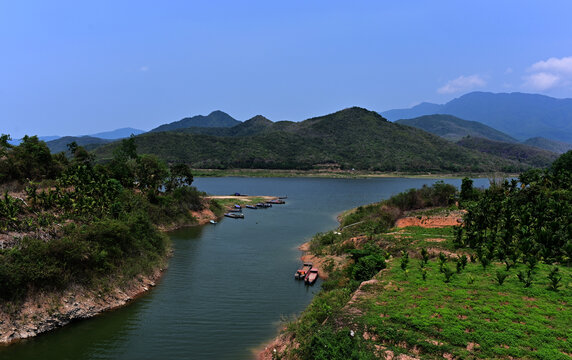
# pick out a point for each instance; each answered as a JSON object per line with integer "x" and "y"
{"x": 339, "y": 174}
{"x": 416, "y": 306}
{"x": 43, "y": 311}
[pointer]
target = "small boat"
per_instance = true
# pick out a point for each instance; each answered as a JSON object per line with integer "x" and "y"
{"x": 213, "y": 222}
{"x": 282, "y": 197}
{"x": 234, "y": 215}
{"x": 311, "y": 277}
{"x": 263, "y": 205}
{"x": 234, "y": 210}
{"x": 251, "y": 207}
{"x": 236, "y": 206}
{"x": 276, "y": 201}
{"x": 303, "y": 271}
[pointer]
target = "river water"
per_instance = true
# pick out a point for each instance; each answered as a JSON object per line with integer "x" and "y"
{"x": 228, "y": 286}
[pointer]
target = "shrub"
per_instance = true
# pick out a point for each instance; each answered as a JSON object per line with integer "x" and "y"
{"x": 554, "y": 279}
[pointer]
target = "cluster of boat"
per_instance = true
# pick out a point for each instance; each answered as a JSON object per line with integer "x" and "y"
{"x": 308, "y": 273}
{"x": 235, "y": 212}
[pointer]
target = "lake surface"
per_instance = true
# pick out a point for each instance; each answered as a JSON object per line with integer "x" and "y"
{"x": 228, "y": 285}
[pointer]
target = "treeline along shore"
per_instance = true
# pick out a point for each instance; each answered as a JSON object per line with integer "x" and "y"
{"x": 437, "y": 273}
{"x": 78, "y": 238}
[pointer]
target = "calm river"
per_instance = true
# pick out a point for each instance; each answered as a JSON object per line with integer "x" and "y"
{"x": 228, "y": 285}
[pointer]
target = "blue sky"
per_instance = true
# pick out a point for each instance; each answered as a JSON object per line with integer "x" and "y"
{"x": 81, "y": 67}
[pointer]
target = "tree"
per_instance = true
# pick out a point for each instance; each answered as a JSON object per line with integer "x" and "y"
{"x": 124, "y": 162}
{"x": 151, "y": 173}
{"x": 180, "y": 176}
{"x": 31, "y": 160}
{"x": 80, "y": 155}
{"x": 468, "y": 193}
{"x": 561, "y": 171}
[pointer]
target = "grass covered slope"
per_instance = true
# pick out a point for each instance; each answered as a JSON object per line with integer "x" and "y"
{"x": 452, "y": 128}
{"x": 351, "y": 138}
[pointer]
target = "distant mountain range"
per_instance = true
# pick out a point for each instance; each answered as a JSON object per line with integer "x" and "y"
{"x": 558, "y": 147}
{"x": 519, "y": 115}
{"x": 57, "y": 144}
{"x": 350, "y": 138}
{"x": 117, "y": 134}
{"x": 452, "y": 128}
{"x": 88, "y": 142}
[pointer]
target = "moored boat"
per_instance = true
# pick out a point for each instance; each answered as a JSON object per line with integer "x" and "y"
{"x": 263, "y": 205}
{"x": 276, "y": 201}
{"x": 234, "y": 215}
{"x": 312, "y": 276}
{"x": 213, "y": 222}
{"x": 303, "y": 271}
{"x": 251, "y": 207}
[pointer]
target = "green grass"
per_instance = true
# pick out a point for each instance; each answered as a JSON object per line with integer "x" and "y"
{"x": 414, "y": 238}
{"x": 247, "y": 200}
{"x": 504, "y": 320}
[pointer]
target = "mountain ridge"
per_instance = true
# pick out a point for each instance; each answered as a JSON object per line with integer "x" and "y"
{"x": 216, "y": 118}
{"x": 519, "y": 115}
{"x": 349, "y": 138}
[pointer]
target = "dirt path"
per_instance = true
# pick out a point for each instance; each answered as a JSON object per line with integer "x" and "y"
{"x": 453, "y": 219}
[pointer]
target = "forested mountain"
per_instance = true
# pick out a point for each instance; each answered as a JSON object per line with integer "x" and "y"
{"x": 452, "y": 128}
{"x": 513, "y": 151}
{"x": 350, "y": 138}
{"x": 558, "y": 147}
{"x": 214, "y": 119}
{"x": 520, "y": 115}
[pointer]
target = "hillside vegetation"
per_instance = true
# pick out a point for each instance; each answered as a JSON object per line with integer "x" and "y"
{"x": 65, "y": 222}
{"x": 513, "y": 151}
{"x": 499, "y": 286}
{"x": 353, "y": 138}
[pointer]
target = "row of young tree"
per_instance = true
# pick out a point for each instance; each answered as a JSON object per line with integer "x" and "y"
{"x": 527, "y": 220}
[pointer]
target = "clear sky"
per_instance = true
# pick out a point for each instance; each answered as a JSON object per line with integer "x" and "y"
{"x": 81, "y": 67}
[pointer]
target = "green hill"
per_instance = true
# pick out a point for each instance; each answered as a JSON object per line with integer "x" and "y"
{"x": 518, "y": 152}
{"x": 350, "y": 138}
{"x": 452, "y": 128}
